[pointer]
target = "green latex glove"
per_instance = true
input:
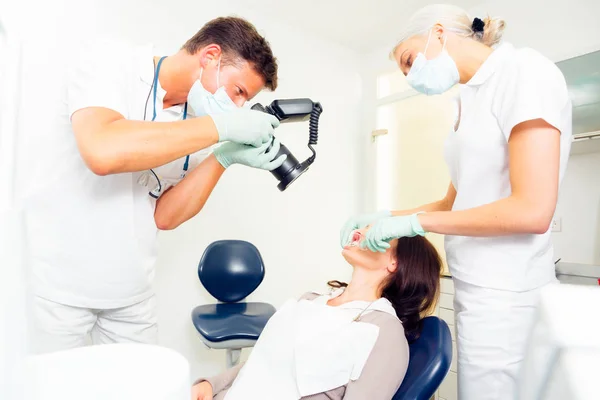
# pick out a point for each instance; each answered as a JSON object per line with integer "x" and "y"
{"x": 386, "y": 229}
{"x": 359, "y": 221}
{"x": 245, "y": 126}
{"x": 256, "y": 157}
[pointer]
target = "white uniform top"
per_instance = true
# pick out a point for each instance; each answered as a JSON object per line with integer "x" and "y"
{"x": 92, "y": 238}
{"x": 512, "y": 86}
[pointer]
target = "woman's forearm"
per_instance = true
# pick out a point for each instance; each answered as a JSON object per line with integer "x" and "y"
{"x": 440, "y": 205}
{"x": 509, "y": 216}
{"x": 189, "y": 196}
{"x": 444, "y": 204}
{"x": 534, "y": 190}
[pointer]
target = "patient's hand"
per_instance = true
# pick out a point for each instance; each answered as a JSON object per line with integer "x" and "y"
{"x": 202, "y": 391}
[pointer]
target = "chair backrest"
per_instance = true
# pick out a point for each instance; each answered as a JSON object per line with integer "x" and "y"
{"x": 231, "y": 270}
{"x": 430, "y": 357}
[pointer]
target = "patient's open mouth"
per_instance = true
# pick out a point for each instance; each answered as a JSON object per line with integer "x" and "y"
{"x": 355, "y": 238}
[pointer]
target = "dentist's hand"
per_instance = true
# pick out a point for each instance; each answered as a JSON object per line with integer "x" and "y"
{"x": 377, "y": 238}
{"x": 245, "y": 126}
{"x": 359, "y": 221}
{"x": 256, "y": 157}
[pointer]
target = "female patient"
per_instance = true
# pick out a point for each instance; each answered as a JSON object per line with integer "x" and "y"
{"x": 351, "y": 344}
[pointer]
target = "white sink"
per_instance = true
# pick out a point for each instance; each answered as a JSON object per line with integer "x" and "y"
{"x": 114, "y": 371}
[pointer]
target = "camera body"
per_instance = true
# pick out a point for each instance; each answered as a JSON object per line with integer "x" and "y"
{"x": 293, "y": 110}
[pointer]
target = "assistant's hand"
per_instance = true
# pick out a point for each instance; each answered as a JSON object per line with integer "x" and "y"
{"x": 377, "y": 238}
{"x": 245, "y": 126}
{"x": 359, "y": 221}
{"x": 202, "y": 391}
{"x": 256, "y": 157}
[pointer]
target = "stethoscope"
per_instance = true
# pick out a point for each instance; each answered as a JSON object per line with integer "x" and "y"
{"x": 153, "y": 89}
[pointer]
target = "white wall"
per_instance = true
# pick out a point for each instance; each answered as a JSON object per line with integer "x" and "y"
{"x": 579, "y": 210}
{"x": 297, "y": 230}
{"x": 559, "y": 30}
{"x": 13, "y": 322}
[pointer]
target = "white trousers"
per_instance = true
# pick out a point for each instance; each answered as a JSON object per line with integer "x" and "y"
{"x": 492, "y": 331}
{"x": 61, "y": 327}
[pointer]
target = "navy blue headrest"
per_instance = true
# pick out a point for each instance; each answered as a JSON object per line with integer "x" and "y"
{"x": 430, "y": 357}
{"x": 231, "y": 270}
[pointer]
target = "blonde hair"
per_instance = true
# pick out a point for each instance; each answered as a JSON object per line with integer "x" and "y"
{"x": 453, "y": 19}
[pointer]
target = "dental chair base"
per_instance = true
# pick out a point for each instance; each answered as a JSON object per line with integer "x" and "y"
{"x": 233, "y": 349}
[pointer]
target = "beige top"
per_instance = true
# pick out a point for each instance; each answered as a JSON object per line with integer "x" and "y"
{"x": 380, "y": 378}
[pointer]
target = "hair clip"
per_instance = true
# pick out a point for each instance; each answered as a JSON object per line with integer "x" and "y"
{"x": 478, "y": 25}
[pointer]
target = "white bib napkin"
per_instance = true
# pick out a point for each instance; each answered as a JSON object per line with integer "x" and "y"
{"x": 308, "y": 347}
{"x": 330, "y": 348}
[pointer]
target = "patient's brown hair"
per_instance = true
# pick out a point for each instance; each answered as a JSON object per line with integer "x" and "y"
{"x": 414, "y": 287}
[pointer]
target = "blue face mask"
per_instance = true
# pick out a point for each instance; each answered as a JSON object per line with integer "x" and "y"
{"x": 433, "y": 76}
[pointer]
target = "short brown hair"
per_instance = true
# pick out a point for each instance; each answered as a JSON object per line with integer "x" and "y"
{"x": 239, "y": 40}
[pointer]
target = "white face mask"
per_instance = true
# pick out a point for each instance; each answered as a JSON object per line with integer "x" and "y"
{"x": 204, "y": 102}
{"x": 433, "y": 76}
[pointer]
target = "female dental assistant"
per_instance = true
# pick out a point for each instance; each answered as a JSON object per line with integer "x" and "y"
{"x": 506, "y": 155}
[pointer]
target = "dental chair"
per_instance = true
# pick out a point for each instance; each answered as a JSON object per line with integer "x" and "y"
{"x": 430, "y": 357}
{"x": 231, "y": 270}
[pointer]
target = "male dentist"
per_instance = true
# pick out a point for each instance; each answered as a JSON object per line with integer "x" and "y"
{"x": 132, "y": 154}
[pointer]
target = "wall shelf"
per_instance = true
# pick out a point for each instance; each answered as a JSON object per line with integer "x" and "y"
{"x": 586, "y": 146}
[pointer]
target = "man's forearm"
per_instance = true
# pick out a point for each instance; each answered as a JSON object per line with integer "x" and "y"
{"x": 120, "y": 145}
{"x": 140, "y": 145}
{"x": 188, "y": 197}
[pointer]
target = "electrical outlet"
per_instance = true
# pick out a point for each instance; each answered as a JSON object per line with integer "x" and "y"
{"x": 556, "y": 224}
